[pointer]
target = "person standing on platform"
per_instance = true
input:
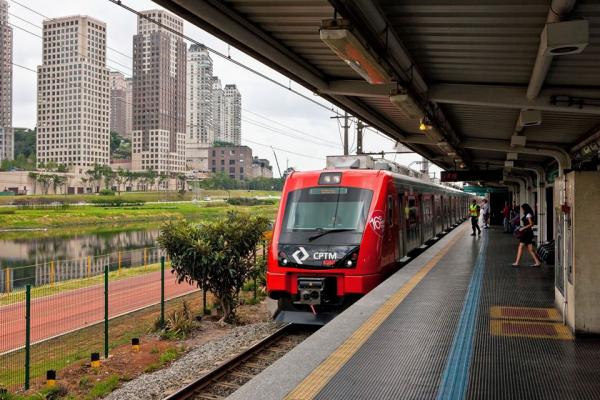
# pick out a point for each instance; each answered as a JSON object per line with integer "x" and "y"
{"x": 506, "y": 217}
{"x": 474, "y": 214}
{"x": 525, "y": 235}
{"x": 485, "y": 209}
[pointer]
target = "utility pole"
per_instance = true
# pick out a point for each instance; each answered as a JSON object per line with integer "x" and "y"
{"x": 277, "y": 162}
{"x": 346, "y": 127}
{"x": 346, "y": 133}
{"x": 359, "y": 137}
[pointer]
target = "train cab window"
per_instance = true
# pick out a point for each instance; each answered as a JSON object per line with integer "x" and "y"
{"x": 390, "y": 211}
{"x": 327, "y": 208}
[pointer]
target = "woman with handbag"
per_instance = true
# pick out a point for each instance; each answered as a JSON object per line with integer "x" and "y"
{"x": 525, "y": 236}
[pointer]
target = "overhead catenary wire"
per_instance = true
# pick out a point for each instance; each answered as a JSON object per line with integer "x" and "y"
{"x": 289, "y": 127}
{"x": 284, "y": 150}
{"x": 74, "y": 51}
{"x": 250, "y": 121}
{"x": 222, "y": 55}
{"x": 47, "y": 17}
{"x": 320, "y": 142}
{"x": 210, "y": 49}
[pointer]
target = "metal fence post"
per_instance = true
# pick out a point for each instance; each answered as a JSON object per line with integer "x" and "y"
{"x": 255, "y": 274}
{"x": 27, "y": 333}
{"x": 106, "y": 268}
{"x": 162, "y": 291}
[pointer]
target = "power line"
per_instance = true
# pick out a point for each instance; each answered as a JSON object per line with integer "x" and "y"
{"x": 47, "y": 17}
{"x": 27, "y": 68}
{"x": 218, "y": 53}
{"x": 76, "y": 52}
{"x": 289, "y": 127}
{"x": 284, "y": 133}
{"x": 284, "y": 150}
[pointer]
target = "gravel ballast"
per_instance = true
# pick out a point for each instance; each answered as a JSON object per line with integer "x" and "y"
{"x": 191, "y": 366}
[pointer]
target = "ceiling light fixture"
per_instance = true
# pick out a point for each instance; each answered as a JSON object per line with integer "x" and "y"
{"x": 338, "y": 36}
{"x": 425, "y": 124}
{"x": 402, "y": 100}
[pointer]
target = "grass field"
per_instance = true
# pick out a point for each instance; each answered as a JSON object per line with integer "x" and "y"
{"x": 140, "y": 196}
{"x": 92, "y": 219}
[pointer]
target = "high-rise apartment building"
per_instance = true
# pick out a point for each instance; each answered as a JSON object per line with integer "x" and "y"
{"x": 73, "y": 109}
{"x": 200, "y": 132}
{"x": 6, "y": 40}
{"x": 159, "y": 94}
{"x": 120, "y": 104}
{"x": 232, "y": 129}
{"x": 218, "y": 108}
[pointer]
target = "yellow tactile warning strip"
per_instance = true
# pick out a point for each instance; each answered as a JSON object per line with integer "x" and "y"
{"x": 316, "y": 381}
{"x": 528, "y": 329}
{"x": 525, "y": 313}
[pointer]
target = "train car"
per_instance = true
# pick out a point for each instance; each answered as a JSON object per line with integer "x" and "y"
{"x": 341, "y": 232}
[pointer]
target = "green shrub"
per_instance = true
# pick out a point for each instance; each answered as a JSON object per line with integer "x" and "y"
{"x": 168, "y": 356}
{"x": 178, "y": 323}
{"x": 104, "y": 387}
{"x": 115, "y": 202}
{"x": 106, "y": 192}
{"x": 249, "y": 201}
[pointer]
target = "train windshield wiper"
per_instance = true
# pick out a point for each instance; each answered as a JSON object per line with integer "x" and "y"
{"x": 325, "y": 232}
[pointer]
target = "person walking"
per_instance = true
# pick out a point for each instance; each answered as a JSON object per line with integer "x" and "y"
{"x": 525, "y": 235}
{"x": 474, "y": 214}
{"x": 485, "y": 209}
{"x": 506, "y": 217}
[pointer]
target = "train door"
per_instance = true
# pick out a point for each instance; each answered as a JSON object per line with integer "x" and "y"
{"x": 413, "y": 226}
{"x": 437, "y": 214}
{"x": 401, "y": 227}
{"x": 427, "y": 216}
{"x": 390, "y": 235}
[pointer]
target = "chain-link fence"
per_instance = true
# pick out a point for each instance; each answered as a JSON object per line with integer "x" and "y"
{"x": 61, "y": 311}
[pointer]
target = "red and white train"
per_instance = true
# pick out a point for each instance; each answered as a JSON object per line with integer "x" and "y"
{"x": 341, "y": 232}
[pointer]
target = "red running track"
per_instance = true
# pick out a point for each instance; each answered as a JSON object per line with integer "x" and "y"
{"x": 64, "y": 312}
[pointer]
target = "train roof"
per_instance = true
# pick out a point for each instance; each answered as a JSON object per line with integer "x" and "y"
{"x": 380, "y": 172}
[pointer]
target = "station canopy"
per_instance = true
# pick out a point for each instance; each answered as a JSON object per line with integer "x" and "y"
{"x": 469, "y": 84}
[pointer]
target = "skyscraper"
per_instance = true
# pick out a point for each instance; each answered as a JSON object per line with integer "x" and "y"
{"x": 6, "y": 130}
{"x": 218, "y": 108}
{"x": 120, "y": 104}
{"x": 159, "y": 94}
{"x": 200, "y": 132}
{"x": 232, "y": 131}
{"x": 73, "y": 93}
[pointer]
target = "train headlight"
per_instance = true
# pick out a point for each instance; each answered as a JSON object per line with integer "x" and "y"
{"x": 284, "y": 261}
{"x": 330, "y": 178}
{"x": 349, "y": 263}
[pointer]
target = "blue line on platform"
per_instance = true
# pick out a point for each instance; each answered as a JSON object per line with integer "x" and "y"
{"x": 455, "y": 379}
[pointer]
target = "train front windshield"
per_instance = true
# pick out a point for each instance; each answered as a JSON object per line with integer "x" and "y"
{"x": 320, "y": 209}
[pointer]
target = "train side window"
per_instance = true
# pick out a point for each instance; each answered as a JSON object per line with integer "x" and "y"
{"x": 390, "y": 210}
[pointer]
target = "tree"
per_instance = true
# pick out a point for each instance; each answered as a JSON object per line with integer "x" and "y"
{"x": 95, "y": 174}
{"x": 45, "y": 181}
{"x": 121, "y": 177}
{"x": 162, "y": 178}
{"x": 216, "y": 256}
{"x": 34, "y": 176}
{"x": 109, "y": 176}
{"x": 58, "y": 181}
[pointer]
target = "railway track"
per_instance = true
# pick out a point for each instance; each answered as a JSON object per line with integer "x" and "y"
{"x": 232, "y": 374}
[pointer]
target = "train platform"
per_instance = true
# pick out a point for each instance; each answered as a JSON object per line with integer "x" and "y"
{"x": 456, "y": 322}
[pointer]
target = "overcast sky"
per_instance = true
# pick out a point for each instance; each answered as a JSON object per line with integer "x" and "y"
{"x": 284, "y": 111}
